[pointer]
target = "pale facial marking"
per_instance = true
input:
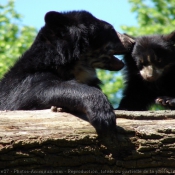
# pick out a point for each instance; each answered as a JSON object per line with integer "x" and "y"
{"x": 84, "y": 74}
{"x": 151, "y": 73}
{"x": 149, "y": 58}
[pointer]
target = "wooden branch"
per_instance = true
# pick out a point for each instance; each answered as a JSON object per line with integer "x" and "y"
{"x": 48, "y": 142}
{"x": 142, "y": 115}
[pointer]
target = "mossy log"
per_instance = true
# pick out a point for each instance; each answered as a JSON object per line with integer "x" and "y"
{"x": 46, "y": 142}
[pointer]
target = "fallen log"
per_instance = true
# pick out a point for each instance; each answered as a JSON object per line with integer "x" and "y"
{"x": 43, "y": 142}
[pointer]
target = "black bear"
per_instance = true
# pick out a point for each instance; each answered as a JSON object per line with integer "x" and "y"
{"x": 59, "y": 68}
{"x": 150, "y": 73}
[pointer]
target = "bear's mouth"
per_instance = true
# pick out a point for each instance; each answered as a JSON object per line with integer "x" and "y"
{"x": 115, "y": 63}
{"x": 108, "y": 62}
{"x": 107, "y": 59}
{"x": 104, "y": 57}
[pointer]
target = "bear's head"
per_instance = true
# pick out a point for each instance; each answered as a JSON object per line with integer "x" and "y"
{"x": 82, "y": 36}
{"x": 154, "y": 55}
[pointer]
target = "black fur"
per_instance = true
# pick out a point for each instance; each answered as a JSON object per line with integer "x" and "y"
{"x": 150, "y": 73}
{"x": 59, "y": 68}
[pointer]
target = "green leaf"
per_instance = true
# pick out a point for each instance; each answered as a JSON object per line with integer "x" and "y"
{"x": 15, "y": 38}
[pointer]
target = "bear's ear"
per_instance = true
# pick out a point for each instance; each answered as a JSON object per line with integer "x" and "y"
{"x": 53, "y": 18}
{"x": 170, "y": 37}
{"x": 130, "y": 36}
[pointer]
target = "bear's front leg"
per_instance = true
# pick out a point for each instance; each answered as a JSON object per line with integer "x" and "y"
{"x": 79, "y": 97}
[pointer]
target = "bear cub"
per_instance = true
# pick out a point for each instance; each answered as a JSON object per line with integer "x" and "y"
{"x": 150, "y": 73}
{"x": 59, "y": 68}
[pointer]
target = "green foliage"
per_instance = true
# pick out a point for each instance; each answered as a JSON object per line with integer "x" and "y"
{"x": 153, "y": 16}
{"x": 112, "y": 83}
{"x": 15, "y": 38}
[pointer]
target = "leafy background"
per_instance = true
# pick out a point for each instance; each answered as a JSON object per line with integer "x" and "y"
{"x": 153, "y": 17}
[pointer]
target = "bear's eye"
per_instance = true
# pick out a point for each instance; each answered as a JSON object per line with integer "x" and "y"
{"x": 140, "y": 62}
{"x": 157, "y": 58}
{"x": 107, "y": 48}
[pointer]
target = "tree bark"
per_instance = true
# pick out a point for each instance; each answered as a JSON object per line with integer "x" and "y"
{"x": 46, "y": 142}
